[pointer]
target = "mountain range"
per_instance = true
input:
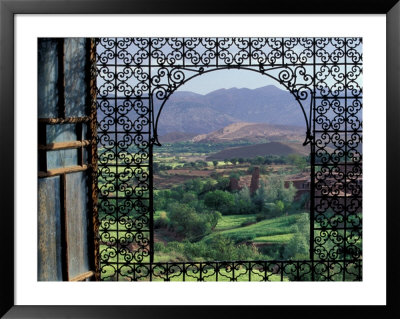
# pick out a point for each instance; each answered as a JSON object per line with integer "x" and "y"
{"x": 193, "y": 113}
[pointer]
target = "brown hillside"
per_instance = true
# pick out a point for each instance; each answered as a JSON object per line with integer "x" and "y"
{"x": 253, "y": 132}
{"x": 272, "y": 148}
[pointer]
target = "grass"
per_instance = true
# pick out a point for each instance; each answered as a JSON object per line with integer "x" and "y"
{"x": 162, "y": 257}
{"x": 270, "y": 227}
{"x": 274, "y": 239}
{"x": 233, "y": 221}
{"x": 273, "y": 231}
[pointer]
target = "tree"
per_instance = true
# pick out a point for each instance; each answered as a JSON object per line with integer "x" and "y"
{"x": 207, "y": 186}
{"x": 297, "y": 160}
{"x": 160, "y": 199}
{"x": 189, "y": 197}
{"x": 222, "y": 183}
{"x": 213, "y": 218}
{"x": 298, "y": 246}
{"x": 162, "y": 221}
{"x": 259, "y": 160}
{"x": 259, "y": 198}
{"x": 275, "y": 190}
{"x": 235, "y": 174}
{"x": 186, "y": 222}
{"x": 215, "y": 163}
{"x": 201, "y": 164}
{"x": 268, "y": 160}
{"x": 243, "y": 201}
{"x": 181, "y": 217}
{"x": 280, "y": 206}
{"x": 273, "y": 199}
{"x": 220, "y": 200}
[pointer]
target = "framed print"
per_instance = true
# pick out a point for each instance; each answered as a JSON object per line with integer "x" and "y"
{"x": 155, "y": 173}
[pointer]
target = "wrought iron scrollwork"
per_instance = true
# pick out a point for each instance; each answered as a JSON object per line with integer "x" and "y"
{"x": 136, "y": 76}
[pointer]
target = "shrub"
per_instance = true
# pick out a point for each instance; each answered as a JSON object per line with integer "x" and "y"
{"x": 174, "y": 246}
{"x": 162, "y": 221}
{"x": 196, "y": 250}
{"x": 248, "y": 252}
{"x": 236, "y": 174}
{"x": 242, "y": 237}
{"x": 223, "y": 248}
{"x": 159, "y": 246}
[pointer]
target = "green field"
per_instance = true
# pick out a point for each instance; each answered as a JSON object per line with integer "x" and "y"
{"x": 233, "y": 221}
{"x": 280, "y": 226}
{"x": 275, "y": 239}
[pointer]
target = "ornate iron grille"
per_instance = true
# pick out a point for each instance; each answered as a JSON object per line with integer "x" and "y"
{"x": 136, "y": 76}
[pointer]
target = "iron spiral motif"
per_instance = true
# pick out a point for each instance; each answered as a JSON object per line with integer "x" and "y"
{"x": 136, "y": 76}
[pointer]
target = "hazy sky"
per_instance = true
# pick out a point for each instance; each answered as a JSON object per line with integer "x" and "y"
{"x": 227, "y": 79}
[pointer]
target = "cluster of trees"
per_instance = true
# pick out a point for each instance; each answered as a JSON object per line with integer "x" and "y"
{"x": 194, "y": 208}
{"x": 224, "y": 248}
{"x": 187, "y": 214}
{"x": 300, "y": 162}
{"x": 270, "y": 200}
{"x": 197, "y": 164}
{"x": 196, "y": 147}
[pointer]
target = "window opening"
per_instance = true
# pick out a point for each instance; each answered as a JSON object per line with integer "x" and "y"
{"x": 136, "y": 78}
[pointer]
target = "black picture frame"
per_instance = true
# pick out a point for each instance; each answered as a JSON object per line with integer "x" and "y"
{"x": 8, "y": 10}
